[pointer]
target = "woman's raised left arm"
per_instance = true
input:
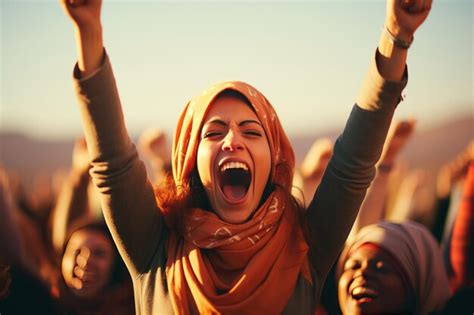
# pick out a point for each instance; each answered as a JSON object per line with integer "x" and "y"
{"x": 351, "y": 169}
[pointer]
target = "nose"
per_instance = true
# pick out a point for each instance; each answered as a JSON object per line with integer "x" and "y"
{"x": 364, "y": 270}
{"x": 232, "y": 142}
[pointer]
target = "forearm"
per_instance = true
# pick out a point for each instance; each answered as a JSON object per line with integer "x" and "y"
{"x": 373, "y": 206}
{"x": 71, "y": 205}
{"x": 391, "y": 59}
{"x": 89, "y": 46}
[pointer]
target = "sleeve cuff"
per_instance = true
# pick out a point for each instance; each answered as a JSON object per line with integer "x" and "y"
{"x": 377, "y": 93}
{"x": 92, "y": 84}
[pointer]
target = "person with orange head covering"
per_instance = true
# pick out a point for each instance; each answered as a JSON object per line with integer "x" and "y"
{"x": 223, "y": 234}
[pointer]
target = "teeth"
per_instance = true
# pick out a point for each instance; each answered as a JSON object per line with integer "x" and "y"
{"x": 229, "y": 165}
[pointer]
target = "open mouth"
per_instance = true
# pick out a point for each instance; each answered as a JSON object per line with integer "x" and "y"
{"x": 234, "y": 181}
{"x": 364, "y": 294}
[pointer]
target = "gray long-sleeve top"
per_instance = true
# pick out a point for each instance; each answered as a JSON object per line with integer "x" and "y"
{"x": 139, "y": 230}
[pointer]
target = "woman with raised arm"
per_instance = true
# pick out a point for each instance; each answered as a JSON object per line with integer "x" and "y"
{"x": 224, "y": 234}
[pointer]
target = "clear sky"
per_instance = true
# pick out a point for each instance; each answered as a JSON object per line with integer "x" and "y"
{"x": 308, "y": 58}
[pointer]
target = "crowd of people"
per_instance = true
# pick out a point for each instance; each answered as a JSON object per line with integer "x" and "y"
{"x": 224, "y": 221}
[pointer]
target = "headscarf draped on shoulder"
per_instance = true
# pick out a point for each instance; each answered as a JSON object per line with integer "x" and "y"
{"x": 252, "y": 267}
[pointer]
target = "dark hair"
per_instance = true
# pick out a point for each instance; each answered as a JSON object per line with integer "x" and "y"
{"x": 234, "y": 94}
{"x": 173, "y": 200}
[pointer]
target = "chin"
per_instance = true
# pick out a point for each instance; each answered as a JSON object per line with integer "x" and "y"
{"x": 234, "y": 215}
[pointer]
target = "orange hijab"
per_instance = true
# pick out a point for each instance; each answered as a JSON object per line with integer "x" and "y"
{"x": 247, "y": 268}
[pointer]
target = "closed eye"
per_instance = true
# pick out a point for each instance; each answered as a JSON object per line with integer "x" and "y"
{"x": 211, "y": 134}
{"x": 252, "y": 133}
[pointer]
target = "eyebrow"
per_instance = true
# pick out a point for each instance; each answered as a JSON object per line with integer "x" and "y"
{"x": 217, "y": 122}
{"x": 220, "y": 122}
{"x": 249, "y": 121}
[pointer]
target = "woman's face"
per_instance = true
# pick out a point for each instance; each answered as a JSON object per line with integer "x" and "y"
{"x": 87, "y": 262}
{"x": 233, "y": 159}
{"x": 369, "y": 284}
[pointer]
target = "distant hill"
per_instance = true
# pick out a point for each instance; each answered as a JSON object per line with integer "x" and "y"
{"x": 28, "y": 157}
{"x": 428, "y": 149}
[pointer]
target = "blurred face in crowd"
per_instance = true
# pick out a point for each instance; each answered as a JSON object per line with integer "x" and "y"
{"x": 370, "y": 284}
{"x": 233, "y": 159}
{"x": 87, "y": 262}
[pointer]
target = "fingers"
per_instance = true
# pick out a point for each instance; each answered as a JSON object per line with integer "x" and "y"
{"x": 151, "y": 137}
{"x": 404, "y": 128}
{"x": 416, "y": 6}
{"x": 76, "y": 283}
{"x": 84, "y": 274}
{"x": 75, "y": 3}
{"x": 154, "y": 144}
{"x": 78, "y": 272}
{"x": 72, "y": 3}
{"x": 83, "y": 257}
{"x": 83, "y": 269}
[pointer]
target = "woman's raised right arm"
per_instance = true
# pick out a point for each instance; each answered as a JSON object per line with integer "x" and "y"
{"x": 127, "y": 197}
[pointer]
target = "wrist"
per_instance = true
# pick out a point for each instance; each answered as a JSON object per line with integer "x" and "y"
{"x": 88, "y": 27}
{"x": 391, "y": 60}
{"x": 397, "y": 39}
{"x": 398, "y": 32}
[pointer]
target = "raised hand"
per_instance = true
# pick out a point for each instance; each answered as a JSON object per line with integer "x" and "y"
{"x": 454, "y": 171}
{"x": 398, "y": 135}
{"x": 153, "y": 143}
{"x": 80, "y": 156}
{"x": 403, "y": 17}
{"x": 317, "y": 159}
{"x": 83, "y": 13}
{"x": 313, "y": 167}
